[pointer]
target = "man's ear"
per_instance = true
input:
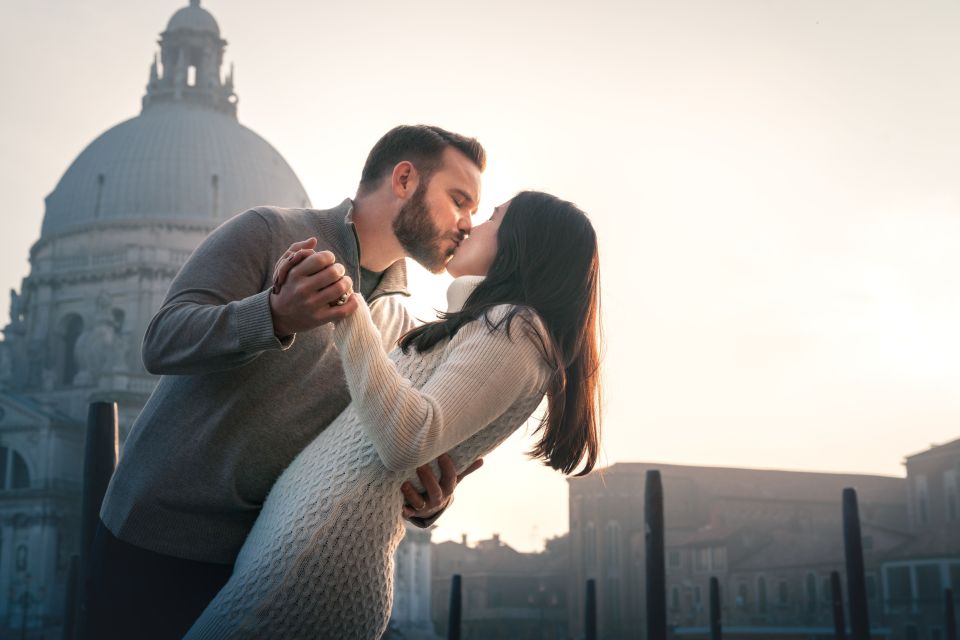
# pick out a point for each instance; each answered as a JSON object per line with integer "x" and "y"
{"x": 404, "y": 179}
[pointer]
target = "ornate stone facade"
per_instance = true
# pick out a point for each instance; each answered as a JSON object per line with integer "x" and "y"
{"x": 119, "y": 224}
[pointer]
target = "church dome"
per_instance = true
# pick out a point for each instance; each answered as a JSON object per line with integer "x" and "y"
{"x": 185, "y": 158}
{"x": 174, "y": 162}
{"x": 194, "y": 18}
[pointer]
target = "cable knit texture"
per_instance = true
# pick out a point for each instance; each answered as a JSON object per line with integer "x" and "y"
{"x": 319, "y": 560}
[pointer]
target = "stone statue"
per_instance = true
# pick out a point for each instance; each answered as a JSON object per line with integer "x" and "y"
{"x": 101, "y": 348}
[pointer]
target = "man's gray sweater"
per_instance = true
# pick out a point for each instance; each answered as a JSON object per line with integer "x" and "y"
{"x": 234, "y": 405}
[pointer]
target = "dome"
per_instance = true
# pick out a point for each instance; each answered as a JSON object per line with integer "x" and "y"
{"x": 194, "y": 18}
{"x": 175, "y": 162}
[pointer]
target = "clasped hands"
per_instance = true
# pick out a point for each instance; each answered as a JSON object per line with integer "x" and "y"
{"x": 307, "y": 286}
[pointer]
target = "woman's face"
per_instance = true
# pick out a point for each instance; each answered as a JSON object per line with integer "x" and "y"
{"x": 476, "y": 253}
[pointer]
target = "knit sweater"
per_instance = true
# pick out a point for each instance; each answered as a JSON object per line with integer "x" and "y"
{"x": 234, "y": 405}
{"x": 319, "y": 560}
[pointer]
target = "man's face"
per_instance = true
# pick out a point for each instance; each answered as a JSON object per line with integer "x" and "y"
{"x": 431, "y": 225}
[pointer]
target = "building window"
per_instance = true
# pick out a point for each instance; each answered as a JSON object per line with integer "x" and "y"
{"x": 951, "y": 494}
{"x": 743, "y": 595}
{"x": 811, "y": 593}
{"x": 614, "y": 544}
{"x": 871, "y": 586}
{"x": 613, "y": 602}
{"x": 826, "y": 590}
{"x": 673, "y": 560}
{"x": 867, "y": 543}
{"x": 675, "y": 599}
{"x": 923, "y": 507}
{"x": 590, "y": 545}
{"x": 783, "y": 592}
{"x": 71, "y": 328}
{"x": 719, "y": 560}
{"x": 898, "y": 583}
{"x": 928, "y": 583}
{"x": 22, "y": 558}
{"x": 761, "y": 594}
{"x": 13, "y": 470}
{"x": 697, "y": 598}
{"x": 936, "y": 633}
{"x": 911, "y": 632}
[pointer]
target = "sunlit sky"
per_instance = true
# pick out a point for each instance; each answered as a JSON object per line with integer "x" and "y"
{"x": 776, "y": 187}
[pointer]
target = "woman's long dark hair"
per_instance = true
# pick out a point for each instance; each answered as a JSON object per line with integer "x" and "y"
{"x": 546, "y": 261}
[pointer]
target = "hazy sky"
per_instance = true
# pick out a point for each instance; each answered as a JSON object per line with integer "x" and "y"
{"x": 776, "y": 186}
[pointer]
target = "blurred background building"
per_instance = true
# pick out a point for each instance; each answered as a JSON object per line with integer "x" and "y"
{"x": 117, "y": 227}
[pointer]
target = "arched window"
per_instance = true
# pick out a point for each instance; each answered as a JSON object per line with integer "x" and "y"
{"x": 783, "y": 592}
{"x": 14, "y": 473}
{"x": 19, "y": 476}
{"x": 590, "y": 545}
{"x": 614, "y": 544}
{"x": 743, "y": 595}
{"x": 22, "y": 558}
{"x": 71, "y": 328}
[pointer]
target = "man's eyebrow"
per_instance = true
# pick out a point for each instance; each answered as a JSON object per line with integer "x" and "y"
{"x": 464, "y": 194}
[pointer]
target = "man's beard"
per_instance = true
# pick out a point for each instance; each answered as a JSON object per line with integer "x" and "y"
{"x": 419, "y": 236}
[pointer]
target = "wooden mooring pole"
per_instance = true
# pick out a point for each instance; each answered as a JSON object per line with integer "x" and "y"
{"x": 71, "y": 607}
{"x": 836, "y": 601}
{"x": 99, "y": 462}
{"x": 590, "y": 613}
{"x": 715, "y": 630}
{"x": 656, "y": 562}
{"x": 456, "y": 608}
{"x": 856, "y": 579}
{"x": 950, "y": 615}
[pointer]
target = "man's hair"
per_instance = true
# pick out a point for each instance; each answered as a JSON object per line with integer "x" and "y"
{"x": 423, "y": 145}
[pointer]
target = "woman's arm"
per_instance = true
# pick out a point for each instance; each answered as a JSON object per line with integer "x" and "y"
{"x": 484, "y": 373}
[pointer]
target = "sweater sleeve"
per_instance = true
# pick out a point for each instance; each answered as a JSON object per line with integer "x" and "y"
{"x": 484, "y": 373}
{"x": 216, "y": 315}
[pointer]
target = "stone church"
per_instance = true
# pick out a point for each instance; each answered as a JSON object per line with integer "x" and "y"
{"x": 117, "y": 227}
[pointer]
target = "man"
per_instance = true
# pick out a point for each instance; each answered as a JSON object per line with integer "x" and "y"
{"x": 250, "y": 375}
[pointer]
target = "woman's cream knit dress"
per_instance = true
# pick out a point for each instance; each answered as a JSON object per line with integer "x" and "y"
{"x": 319, "y": 560}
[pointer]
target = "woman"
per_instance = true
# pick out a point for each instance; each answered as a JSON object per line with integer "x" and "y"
{"x": 522, "y": 322}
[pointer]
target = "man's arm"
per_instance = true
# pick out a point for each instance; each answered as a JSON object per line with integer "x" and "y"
{"x": 220, "y": 312}
{"x": 216, "y": 315}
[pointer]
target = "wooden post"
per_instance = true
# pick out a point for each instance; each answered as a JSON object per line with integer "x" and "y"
{"x": 836, "y": 599}
{"x": 99, "y": 462}
{"x": 950, "y": 614}
{"x": 71, "y": 605}
{"x": 856, "y": 579}
{"x": 456, "y": 608}
{"x": 715, "y": 629}
{"x": 590, "y": 615}
{"x": 656, "y": 563}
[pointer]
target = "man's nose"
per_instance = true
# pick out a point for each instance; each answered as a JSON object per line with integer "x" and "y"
{"x": 465, "y": 224}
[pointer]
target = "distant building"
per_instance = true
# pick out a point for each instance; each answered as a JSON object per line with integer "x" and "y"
{"x": 411, "y": 618}
{"x": 119, "y": 224}
{"x": 771, "y": 538}
{"x": 506, "y": 594}
{"x": 916, "y": 574}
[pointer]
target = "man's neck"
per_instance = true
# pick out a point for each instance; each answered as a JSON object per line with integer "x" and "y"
{"x": 373, "y": 220}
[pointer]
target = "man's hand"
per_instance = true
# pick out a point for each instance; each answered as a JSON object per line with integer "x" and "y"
{"x": 438, "y": 493}
{"x": 306, "y": 287}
